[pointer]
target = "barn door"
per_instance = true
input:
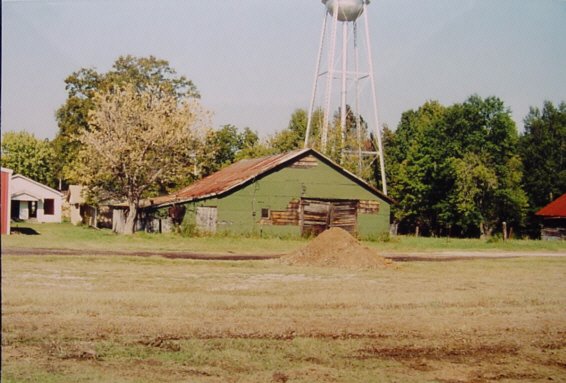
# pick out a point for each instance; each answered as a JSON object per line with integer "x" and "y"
{"x": 206, "y": 218}
{"x": 319, "y": 215}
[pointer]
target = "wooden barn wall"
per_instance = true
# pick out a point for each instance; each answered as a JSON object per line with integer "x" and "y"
{"x": 240, "y": 211}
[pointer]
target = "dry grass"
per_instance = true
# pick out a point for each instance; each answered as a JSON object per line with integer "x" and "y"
{"x": 132, "y": 319}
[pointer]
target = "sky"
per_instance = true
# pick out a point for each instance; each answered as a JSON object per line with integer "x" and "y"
{"x": 253, "y": 61}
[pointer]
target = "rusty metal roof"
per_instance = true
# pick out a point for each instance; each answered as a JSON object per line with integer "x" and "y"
{"x": 228, "y": 178}
{"x": 556, "y": 208}
{"x": 242, "y": 172}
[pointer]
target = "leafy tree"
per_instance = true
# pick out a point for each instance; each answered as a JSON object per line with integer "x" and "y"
{"x": 229, "y": 143}
{"x": 414, "y": 159}
{"x": 253, "y": 147}
{"x": 29, "y": 156}
{"x": 137, "y": 139}
{"x": 483, "y": 132}
{"x": 226, "y": 146}
{"x": 142, "y": 73}
{"x": 543, "y": 151}
{"x": 473, "y": 193}
{"x": 249, "y": 141}
{"x": 456, "y": 169}
{"x": 293, "y": 137}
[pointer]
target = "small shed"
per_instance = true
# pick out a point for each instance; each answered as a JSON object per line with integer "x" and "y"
{"x": 31, "y": 200}
{"x": 297, "y": 193}
{"x": 80, "y": 212}
{"x": 553, "y": 218}
{"x": 5, "y": 177}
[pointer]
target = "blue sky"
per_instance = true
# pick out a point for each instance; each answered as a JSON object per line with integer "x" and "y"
{"x": 253, "y": 60}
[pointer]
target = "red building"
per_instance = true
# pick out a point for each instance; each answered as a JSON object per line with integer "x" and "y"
{"x": 5, "y": 205}
{"x": 554, "y": 219}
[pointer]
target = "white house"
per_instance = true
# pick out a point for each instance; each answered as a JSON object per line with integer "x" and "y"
{"x": 32, "y": 200}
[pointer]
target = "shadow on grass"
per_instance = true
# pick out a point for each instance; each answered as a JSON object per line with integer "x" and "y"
{"x": 23, "y": 230}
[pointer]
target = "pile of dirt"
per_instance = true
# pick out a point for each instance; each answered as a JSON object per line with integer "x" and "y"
{"x": 335, "y": 247}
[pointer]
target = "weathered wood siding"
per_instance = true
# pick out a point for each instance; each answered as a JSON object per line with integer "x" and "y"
{"x": 207, "y": 218}
{"x": 319, "y": 215}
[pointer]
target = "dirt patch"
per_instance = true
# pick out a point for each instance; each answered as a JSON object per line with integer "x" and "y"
{"x": 335, "y": 247}
{"x": 133, "y": 253}
{"x": 444, "y": 352}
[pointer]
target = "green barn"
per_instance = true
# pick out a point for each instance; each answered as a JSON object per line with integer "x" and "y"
{"x": 296, "y": 193}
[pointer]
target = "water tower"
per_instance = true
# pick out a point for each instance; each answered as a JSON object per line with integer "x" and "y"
{"x": 345, "y": 71}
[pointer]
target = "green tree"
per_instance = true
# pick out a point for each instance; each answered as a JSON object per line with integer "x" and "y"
{"x": 226, "y": 146}
{"x": 293, "y": 137}
{"x": 73, "y": 116}
{"x": 456, "y": 170}
{"x": 138, "y": 139}
{"x": 543, "y": 151}
{"x": 29, "y": 156}
{"x": 414, "y": 158}
{"x": 473, "y": 193}
{"x": 485, "y": 128}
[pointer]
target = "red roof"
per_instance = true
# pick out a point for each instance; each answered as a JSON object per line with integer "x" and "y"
{"x": 556, "y": 208}
{"x": 242, "y": 172}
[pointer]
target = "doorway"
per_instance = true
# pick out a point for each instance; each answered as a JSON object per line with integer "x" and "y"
{"x": 317, "y": 215}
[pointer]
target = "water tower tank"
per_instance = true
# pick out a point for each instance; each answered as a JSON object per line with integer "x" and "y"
{"x": 348, "y": 10}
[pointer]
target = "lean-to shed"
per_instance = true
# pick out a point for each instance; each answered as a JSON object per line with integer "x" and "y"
{"x": 80, "y": 212}
{"x": 300, "y": 192}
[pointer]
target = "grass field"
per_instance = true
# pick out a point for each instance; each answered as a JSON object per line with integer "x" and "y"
{"x": 70, "y": 237}
{"x": 150, "y": 319}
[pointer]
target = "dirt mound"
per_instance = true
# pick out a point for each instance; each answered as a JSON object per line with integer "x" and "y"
{"x": 335, "y": 247}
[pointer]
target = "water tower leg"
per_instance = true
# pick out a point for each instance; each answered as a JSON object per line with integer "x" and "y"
{"x": 357, "y": 102}
{"x": 374, "y": 99}
{"x": 343, "y": 92}
{"x": 315, "y": 84}
{"x": 330, "y": 76}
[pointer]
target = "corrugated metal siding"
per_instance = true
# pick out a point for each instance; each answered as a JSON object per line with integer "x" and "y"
{"x": 5, "y": 201}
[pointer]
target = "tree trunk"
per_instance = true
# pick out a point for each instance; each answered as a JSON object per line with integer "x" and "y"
{"x": 131, "y": 218}
{"x": 393, "y": 228}
{"x": 486, "y": 230}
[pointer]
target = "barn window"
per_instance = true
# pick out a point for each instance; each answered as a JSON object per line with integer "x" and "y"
{"x": 49, "y": 206}
{"x": 265, "y": 213}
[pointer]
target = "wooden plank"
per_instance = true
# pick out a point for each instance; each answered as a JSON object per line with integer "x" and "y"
{"x": 289, "y": 216}
{"x": 305, "y": 163}
{"x": 368, "y": 207}
{"x": 319, "y": 215}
